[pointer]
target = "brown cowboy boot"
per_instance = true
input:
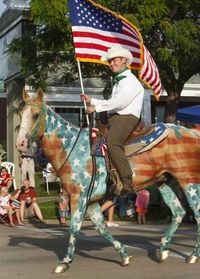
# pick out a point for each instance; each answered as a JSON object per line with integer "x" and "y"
{"x": 127, "y": 185}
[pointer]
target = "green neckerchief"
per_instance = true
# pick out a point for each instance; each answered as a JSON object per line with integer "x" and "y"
{"x": 118, "y": 77}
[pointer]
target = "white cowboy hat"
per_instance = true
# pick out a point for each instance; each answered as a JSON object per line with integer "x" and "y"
{"x": 118, "y": 52}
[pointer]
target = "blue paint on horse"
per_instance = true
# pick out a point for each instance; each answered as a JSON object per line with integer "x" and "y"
{"x": 68, "y": 149}
{"x": 79, "y": 157}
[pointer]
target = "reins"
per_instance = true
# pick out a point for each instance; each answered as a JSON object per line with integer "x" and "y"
{"x": 58, "y": 171}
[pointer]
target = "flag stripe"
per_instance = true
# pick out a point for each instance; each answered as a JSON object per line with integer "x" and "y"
{"x": 121, "y": 40}
{"x": 95, "y": 29}
{"x": 150, "y": 75}
{"x": 86, "y": 40}
{"x": 106, "y": 29}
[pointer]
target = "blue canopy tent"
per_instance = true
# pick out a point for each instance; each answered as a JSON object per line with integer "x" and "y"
{"x": 189, "y": 114}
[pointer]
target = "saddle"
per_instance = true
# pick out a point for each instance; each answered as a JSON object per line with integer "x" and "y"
{"x": 141, "y": 139}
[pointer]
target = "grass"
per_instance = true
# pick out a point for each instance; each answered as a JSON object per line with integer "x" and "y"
{"x": 54, "y": 188}
{"x": 49, "y": 210}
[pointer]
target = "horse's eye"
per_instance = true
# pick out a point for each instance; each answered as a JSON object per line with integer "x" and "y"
{"x": 35, "y": 116}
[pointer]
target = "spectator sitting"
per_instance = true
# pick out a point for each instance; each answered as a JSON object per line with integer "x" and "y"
{"x": 5, "y": 178}
{"x": 7, "y": 207}
{"x": 28, "y": 198}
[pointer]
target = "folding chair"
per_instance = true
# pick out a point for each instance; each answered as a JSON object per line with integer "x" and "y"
{"x": 4, "y": 217}
{"x": 49, "y": 177}
{"x": 11, "y": 170}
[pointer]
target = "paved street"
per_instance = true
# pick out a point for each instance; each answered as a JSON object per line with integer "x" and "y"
{"x": 33, "y": 251}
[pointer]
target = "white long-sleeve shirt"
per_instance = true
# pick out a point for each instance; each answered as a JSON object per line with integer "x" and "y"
{"x": 127, "y": 97}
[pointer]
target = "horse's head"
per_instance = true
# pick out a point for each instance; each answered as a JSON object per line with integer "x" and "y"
{"x": 32, "y": 120}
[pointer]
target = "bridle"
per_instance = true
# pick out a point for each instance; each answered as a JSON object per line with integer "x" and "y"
{"x": 34, "y": 132}
{"x": 36, "y": 127}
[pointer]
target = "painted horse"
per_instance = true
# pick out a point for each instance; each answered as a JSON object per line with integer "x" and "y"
{"x": 67, "y": 147}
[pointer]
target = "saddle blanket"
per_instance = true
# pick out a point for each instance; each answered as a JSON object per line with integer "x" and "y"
{"x": 139, "y": 145}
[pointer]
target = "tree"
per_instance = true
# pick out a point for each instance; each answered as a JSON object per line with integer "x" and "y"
{"x": 170, "y": 30}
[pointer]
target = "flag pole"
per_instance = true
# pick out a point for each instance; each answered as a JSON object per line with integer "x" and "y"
{"x": 82, "y": 89}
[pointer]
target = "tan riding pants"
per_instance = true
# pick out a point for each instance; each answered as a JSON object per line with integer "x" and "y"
{"x": 120, "y": 127}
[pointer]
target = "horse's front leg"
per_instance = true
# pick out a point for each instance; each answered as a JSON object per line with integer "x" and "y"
{"x": 96, "y": 216}
{"x": 193, "y": 197}
{"x": 178, "y": 213}
{"x": 78, "y": 207}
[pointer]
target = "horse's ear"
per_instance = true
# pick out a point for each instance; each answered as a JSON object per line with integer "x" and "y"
{"x": 40, "y": 94}
{"x": 25, "y": 95}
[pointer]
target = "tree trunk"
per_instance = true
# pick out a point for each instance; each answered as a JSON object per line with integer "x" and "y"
{"x": 171, "y": 107}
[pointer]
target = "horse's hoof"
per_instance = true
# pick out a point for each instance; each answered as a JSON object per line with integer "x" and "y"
{"x": 192, "y": 259}
{"x": 163, "y": 256}
{"x": 62, "y": 267}
{"x": 126, "y": 261}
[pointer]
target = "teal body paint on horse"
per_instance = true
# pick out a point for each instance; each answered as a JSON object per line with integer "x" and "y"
{"x": 68, "y": 149}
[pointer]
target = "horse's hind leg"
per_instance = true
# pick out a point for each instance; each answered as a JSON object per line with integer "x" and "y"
{"x": 178, "y": 213}
{"x": 193, "y": 196}
{"x": 94, "y": 211}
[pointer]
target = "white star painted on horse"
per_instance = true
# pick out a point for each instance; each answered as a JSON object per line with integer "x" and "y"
{"x": 77, "y": 214}
{"x": 117, "y": 244}
{"x": 177, "y": 203}
{"x": 76, "y": 162}
{"x": 81, "y": 187}
{"x": 69, "y": 127}
{"x": 151, "y": 139}
{"x": 192, "y": 192}
{"x": 164, "y": 240}
{"x": 73, "y": 176}
{"x": 67, "y": 259}
{"x": 64, "y": 140}
{"x": 59, "y": 125}
{"x": 53, "y": 120}
{"x": 85, "y": 138}
{"x": 72, "y": 238}
{"x": 86, "y": 174}
{"x": 82, "y": 148}
{"x": 101, "y": 169}
{"x": 78, "y": 226}
{"x": 178, "y": 219}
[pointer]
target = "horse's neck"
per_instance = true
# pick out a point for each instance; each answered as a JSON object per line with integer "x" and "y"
{"x": 59, "y": 129}
{"x": 56, "y": 124}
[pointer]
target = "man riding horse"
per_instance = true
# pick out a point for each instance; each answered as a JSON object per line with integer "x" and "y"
{"x": 124, "y": 108}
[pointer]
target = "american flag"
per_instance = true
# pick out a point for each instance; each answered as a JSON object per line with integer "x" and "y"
{"x": 95, "y": 29}
{"x": 150, "y": 75}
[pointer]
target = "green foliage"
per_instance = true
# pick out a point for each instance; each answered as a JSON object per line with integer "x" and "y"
{"x": 50, "y": 12}
{"x": 170, "y": 30}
